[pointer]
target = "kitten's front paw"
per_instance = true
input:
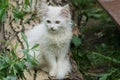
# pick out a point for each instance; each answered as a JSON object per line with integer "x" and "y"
{"x": 63, "y": 69}
{"x": 53, "y": 73}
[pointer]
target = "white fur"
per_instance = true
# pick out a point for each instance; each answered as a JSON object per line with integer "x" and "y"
{"x": 53, "y": 45}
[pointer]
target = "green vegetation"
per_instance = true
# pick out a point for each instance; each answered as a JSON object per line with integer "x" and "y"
{"x": 3, "y": 8}
{"x": 98, "y": 54}
{"x": 12, "y": 66}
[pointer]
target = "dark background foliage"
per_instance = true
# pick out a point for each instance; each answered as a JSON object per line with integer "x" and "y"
{"x": 97, "y": 54}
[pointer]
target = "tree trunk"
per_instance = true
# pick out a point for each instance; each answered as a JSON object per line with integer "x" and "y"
{"x": 1, "y": 36}
{"x": 16, "y": 23}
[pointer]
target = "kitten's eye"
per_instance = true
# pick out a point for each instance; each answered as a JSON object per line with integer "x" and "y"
{"x": 48, "y": 21}
{"x": 57, "y": 22}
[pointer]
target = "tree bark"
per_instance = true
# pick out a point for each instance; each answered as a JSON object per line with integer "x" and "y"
{"x": 14, "y": 24}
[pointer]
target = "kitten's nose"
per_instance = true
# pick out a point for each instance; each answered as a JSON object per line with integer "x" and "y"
{"x": 52, "y": 28}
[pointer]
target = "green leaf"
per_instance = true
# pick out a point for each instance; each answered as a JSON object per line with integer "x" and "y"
{"x": 3, "y": 66}
{"x": 104, "y": 77}
{"x": 107, "y": 58}
{"x": 20, "y": 65}
{"x": 14, "y": 56}
{"x": 26, "y": 3}
{"x": 76, "y": 41}
{"x": 10, "y": 78}
{"x": 14, "y": 70}
{"x": 35, "y": 46}
{"x": 16, "y": 45}
{"x": 25, "y": 39}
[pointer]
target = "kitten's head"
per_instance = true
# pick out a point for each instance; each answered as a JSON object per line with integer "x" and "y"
{"x": 56, "y": 19}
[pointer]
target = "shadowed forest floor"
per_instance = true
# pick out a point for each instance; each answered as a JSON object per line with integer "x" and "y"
{"x": 98, "y": 55}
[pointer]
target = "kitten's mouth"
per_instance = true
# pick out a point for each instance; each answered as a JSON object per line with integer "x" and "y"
{"x": 52, "y": 29}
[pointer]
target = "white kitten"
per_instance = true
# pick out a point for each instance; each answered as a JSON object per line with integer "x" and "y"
{"x": 53, "y": 35}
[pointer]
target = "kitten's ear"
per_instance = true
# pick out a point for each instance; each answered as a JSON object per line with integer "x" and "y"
{"x": 65, "y": 11}
{"x": 43, "y": 9}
